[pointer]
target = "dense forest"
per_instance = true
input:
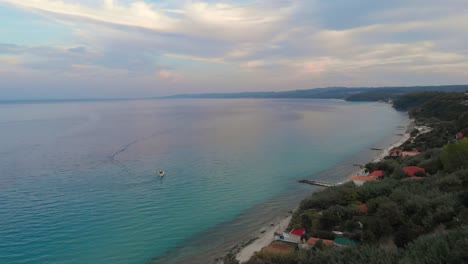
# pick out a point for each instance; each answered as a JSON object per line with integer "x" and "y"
{"x": 397, "y": 219}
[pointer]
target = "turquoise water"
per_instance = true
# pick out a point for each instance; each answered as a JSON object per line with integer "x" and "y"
{"x": 78, "y": 179}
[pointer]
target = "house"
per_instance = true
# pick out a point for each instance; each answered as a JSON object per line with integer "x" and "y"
{"x": 313, "y": 240}
{"x": 395, "y": 152}
{"x": 360, "y": 180}
{"x": 362, "y": 208}
{"x": 373, "y": 176}
{"x": 412, "y": 170}
{"x": 377, "y": 173}
{"x": 410, "y": 153}
{"x": 402, "y": 153}
{"x": 298, "y": 232}
{"x": 294, "y": 236}
{"x": 459, "y": 136}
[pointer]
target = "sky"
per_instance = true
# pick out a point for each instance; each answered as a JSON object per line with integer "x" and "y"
{"x": 51, "y": 49}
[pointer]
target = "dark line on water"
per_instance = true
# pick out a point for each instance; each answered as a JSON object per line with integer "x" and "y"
{"x": 112, "y": 157}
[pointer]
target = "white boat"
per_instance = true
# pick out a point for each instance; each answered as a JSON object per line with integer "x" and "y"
{"x": 161, "y": 173}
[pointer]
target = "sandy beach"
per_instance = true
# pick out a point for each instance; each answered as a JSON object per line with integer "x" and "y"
{"x": 384, "y": 152}
{"x": 264, "y": 240}
{"x": 267, "y": 237}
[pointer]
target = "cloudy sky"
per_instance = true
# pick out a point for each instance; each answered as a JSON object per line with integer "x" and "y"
{"x": 138, "y": 48}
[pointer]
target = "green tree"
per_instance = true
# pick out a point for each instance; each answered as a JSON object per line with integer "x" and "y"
{"x": 455, "y": 156}
{"x": 442, "y": 247}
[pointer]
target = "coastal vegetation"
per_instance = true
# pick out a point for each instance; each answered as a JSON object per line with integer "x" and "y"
{"x": 397, "y": 219}
{"x": 366, "y": 94}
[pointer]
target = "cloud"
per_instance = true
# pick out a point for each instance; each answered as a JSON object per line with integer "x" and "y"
{"x": 253, "y": 44}
{"x": 77, "y": 49}
{"x": 254, "y": 64}
{"x": 217, "y": 20}
{"x": 195, "y": 58}
{"x": 164, "y": 74}
{"x": 138, "y": 14}
{"x": 318, "y": 66}
{"x": 61, "y": 59}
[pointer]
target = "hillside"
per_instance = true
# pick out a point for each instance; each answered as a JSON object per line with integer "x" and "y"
{"x": 351, "y": 93}
{"x": 415, "y": 212}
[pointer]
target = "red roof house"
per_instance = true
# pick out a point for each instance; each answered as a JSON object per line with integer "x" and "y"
{"x": 313, "y": 240}
{"x": 377, "y": 173}
{"x": 459, "y": 135}
{"x": 362, "y": 208}
{"x": 298, "y": 232}
{"x": 412, "y": 170}
{"x": 395, "y": 151}
{"x": 360, "y": 180}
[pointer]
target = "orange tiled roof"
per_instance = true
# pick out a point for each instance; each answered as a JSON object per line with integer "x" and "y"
{"x": 313, "y": 240}
{"x": 363, "y": 178}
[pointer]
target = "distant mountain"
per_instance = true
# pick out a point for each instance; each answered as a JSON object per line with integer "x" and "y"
{"x": 351, "y": 93}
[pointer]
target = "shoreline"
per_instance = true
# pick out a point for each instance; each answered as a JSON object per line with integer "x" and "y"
{"x": 381, "y": 154}
{"x": 265, "y": 238}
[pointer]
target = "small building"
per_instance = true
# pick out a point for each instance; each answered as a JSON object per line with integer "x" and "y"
{"x": 298, "y": 232}
{"x": 410, "y": 153}
{"x": 412, "y": 170}
{"x": 313, "y": 240}
{"x": 359, "y": 180}
{"x": 459, "y": 136}
{"x": 396, "y": 152}
{"x": 362, "y": 208}
{"x": 294, "y": 236}
{"x": 377, "y": 173}
{"x": 402, "y": 153}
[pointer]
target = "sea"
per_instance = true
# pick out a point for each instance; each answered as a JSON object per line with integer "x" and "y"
{"x": 79, "y": 180}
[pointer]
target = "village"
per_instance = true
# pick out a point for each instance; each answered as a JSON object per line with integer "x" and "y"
{"x": 296, "y": 238}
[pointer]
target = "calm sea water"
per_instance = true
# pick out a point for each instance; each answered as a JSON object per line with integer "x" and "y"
{"x": 78, "y": 180}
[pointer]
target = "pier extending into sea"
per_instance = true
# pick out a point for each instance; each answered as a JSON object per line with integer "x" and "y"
{"x": 317, "y": 183}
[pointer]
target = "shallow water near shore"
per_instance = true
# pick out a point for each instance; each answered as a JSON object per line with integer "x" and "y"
{"x": 78, "y": 180}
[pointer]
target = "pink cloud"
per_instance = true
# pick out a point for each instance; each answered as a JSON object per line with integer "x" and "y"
{"x": 313, "y": 67}
{"x": 164, "y": 74}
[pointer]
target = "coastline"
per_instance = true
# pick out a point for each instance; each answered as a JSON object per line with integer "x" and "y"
{"x": 244, "y": 252}
{"x": 384, "y": 152}
{"x": 263, "y": 240}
